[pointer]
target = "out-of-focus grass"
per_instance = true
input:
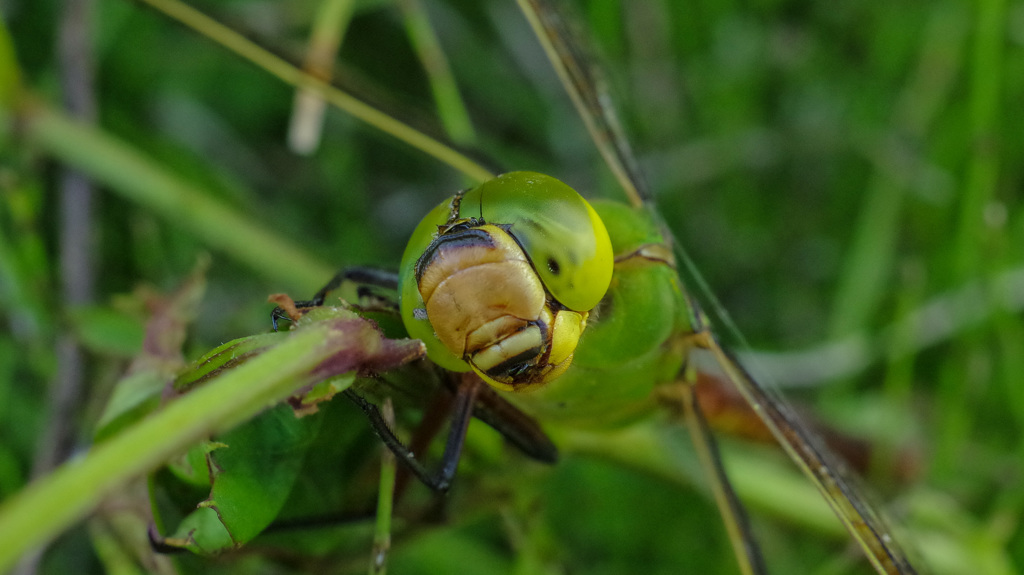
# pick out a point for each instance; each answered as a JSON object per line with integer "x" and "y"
{"x": 832, "y": 169}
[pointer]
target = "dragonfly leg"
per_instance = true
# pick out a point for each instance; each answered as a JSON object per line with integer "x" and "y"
{"x": 462, "y": 413}
{"x": 681, "y": 398}
{"x": 363, "y": 276}
{"x": 434, "y": 418}
{"x": 515, "y": 426}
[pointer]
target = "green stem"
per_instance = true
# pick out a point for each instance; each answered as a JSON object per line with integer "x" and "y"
{"x": 144, "y": 181}
{"x": 450, "y": 106}
{"x": 329, "y": 26}
{"x": 294, "y": 77}
{"x": 385, "y": 500}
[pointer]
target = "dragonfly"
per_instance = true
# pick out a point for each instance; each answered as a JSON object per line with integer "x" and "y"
{"x": 823, "y": 469}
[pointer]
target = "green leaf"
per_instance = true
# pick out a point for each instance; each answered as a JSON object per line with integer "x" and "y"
{"x": 138, "y": 392}
{"x": 106, "y": 330}
{"x": 253, "y": 472}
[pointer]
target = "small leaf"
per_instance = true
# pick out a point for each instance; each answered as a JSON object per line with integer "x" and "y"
{"x": 106, "y": 330}
{"x": 225, "y": 357}
{"x": 321, "y": 392}
{"x": 254, "y": 468}
{"x": 138, "y": 392}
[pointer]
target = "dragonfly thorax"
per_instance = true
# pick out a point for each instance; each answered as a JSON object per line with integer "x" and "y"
{"x": 488, "y": 306}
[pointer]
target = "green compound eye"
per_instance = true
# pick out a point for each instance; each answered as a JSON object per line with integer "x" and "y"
{"x": 567, "y": 249}
{"x": 559, "y": 231}
{"x": 411, "y": 302}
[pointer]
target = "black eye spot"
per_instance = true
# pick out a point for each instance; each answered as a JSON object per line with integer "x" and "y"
{"x": 553, "y": 266}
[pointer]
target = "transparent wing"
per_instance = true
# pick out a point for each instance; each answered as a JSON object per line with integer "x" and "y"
{"x": 586, "y": 86}
{"x": 862, "y": 519}
{"x": 589, "y": 93}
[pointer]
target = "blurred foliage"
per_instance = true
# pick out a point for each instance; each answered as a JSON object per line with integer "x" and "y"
{"x": 831, "y": 168}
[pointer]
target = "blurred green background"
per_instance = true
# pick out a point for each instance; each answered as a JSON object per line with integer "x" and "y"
{"x": 847, "y": 178}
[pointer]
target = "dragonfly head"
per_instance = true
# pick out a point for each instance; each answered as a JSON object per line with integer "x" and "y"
{"x": 501, "y": 279}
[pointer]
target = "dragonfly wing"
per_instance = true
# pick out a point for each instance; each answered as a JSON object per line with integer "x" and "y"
{"x": 589, "y": 92}
{"x": 828, "y": 473}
